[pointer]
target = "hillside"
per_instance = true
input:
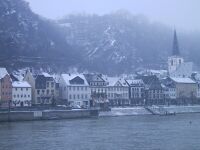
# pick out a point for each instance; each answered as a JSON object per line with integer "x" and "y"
{"x": 28, "y": 39}
{"x": 124, "y": 42}
{"x": 114, "y": 43}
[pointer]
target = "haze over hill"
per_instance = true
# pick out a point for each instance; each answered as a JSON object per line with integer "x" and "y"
{"x": 180, "y": 13}
{"x": 117, "y": 42}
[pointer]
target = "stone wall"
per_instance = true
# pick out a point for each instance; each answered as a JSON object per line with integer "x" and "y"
{"x": 46, "y": 115}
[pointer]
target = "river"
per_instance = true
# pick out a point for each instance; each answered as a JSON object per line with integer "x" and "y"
{"x": 180, "y": 132}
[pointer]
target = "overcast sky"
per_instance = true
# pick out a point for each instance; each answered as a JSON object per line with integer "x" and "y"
{"x": 183, "y": 14}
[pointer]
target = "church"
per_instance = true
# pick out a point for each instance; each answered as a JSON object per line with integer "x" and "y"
{"x": 177, "y": 67}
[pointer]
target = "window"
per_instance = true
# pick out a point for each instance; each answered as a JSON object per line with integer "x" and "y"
{"x": 70, "y": 96}
{"x": 15, "y": 89}
{"x": 38, "y": 91}
{"x": 52, "y": 91}
{"x": 52, "y": 84}
{"x": 21, "y": 89}
{"x": 78, "y": 96}
{"x": 47, "y": 91}
{"x": 26, "y": 89}
{"x": 38, "y": 100}
{"x": 21, "y": 95}
{"x": 77, "y": 88}
{"x": 47, "y": 84}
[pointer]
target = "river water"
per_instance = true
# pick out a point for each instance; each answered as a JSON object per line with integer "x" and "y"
{"x": 180, "y": 132}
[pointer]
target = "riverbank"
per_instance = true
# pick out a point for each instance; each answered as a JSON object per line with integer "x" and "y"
{"x": 47, "y": 115}
{"x": 139, "y": 110}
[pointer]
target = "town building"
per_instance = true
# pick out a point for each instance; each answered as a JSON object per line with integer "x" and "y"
{"x": 181, "y": 90}
{"x": 117, "y": 92}
{"x": 5, "y": 88}
{"x": 136, "y": 91}
{"x": 153, "y": 91}
{"x": 45, "y": 89}
{"x": 21, "y": 94}
{"x": 30, "y": 78}
{"x": 196, "y": 77}
{"x": 98, "y": 86}
{"x": 75, "y": 90}
{"x": 169, "y": 91}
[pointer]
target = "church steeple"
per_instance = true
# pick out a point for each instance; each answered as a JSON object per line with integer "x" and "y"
{"x": 175, "y": 50}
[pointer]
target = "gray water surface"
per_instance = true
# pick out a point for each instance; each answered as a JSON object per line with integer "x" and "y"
{"x": 180, "y": 132}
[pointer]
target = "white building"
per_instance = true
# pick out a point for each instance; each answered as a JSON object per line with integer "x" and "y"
{"x": 118, "y": 91}
{"x": 75, "y": 89}
{"x": 21, "y": 94}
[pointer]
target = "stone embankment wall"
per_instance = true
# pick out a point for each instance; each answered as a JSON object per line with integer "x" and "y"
{"x": 46, "y": 115}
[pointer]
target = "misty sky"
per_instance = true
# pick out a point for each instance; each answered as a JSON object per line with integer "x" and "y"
{"x": 183, "y": 14}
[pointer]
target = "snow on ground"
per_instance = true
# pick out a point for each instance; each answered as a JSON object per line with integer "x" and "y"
{"x": 131, "y": 111}
{"x": 183, "y": 109}
{"x": 128, "y": 111}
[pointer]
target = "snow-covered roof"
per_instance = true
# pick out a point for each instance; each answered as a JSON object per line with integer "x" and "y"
{"x": 3, "y": 72}
{"x": 183, "y": 80}
{"x": 68, "y": 77}
{"x": 46, "y": 74}
{"x": 158, "y": 71}
{"x": 112, "y": 81}
{"x": 135, "y": 81}
{"x": 21, "y": 84}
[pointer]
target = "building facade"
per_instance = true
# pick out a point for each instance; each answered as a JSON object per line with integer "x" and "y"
{"x": 5, "y": 88}
{"x": 98, "y": 86}
{"x": 136, "y": 91}
{"x": 30, "y": 78}
{"x": 117, "y": 92}
{"x": 153, "y": 91}
{"x": 21, "y": 94}
{"x": 45, "y": 89}
{"x": 75, "y": 90}
{"x": 181, "y": 90}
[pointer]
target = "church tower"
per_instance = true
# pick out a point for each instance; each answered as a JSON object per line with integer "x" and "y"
{"x": 175, "y": 61}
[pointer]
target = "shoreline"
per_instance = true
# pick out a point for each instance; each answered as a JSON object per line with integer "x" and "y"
{"x": 17, "y": 116}
{"x": 140, "y": 111}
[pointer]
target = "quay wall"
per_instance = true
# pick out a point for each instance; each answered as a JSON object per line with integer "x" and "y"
{"x": 46, "y": 115}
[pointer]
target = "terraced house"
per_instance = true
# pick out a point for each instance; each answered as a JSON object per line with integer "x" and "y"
{"x": 21, "y": 94}
{"x": 153, "y": 91}
{"x": 45, "y": 89}
{"x": 136, "y": 91}
{"x": 117, "y": 92}
{"x": 5, "y": 88}
{"x": 75, "y": 90}
{"x": 98, "y": 86}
